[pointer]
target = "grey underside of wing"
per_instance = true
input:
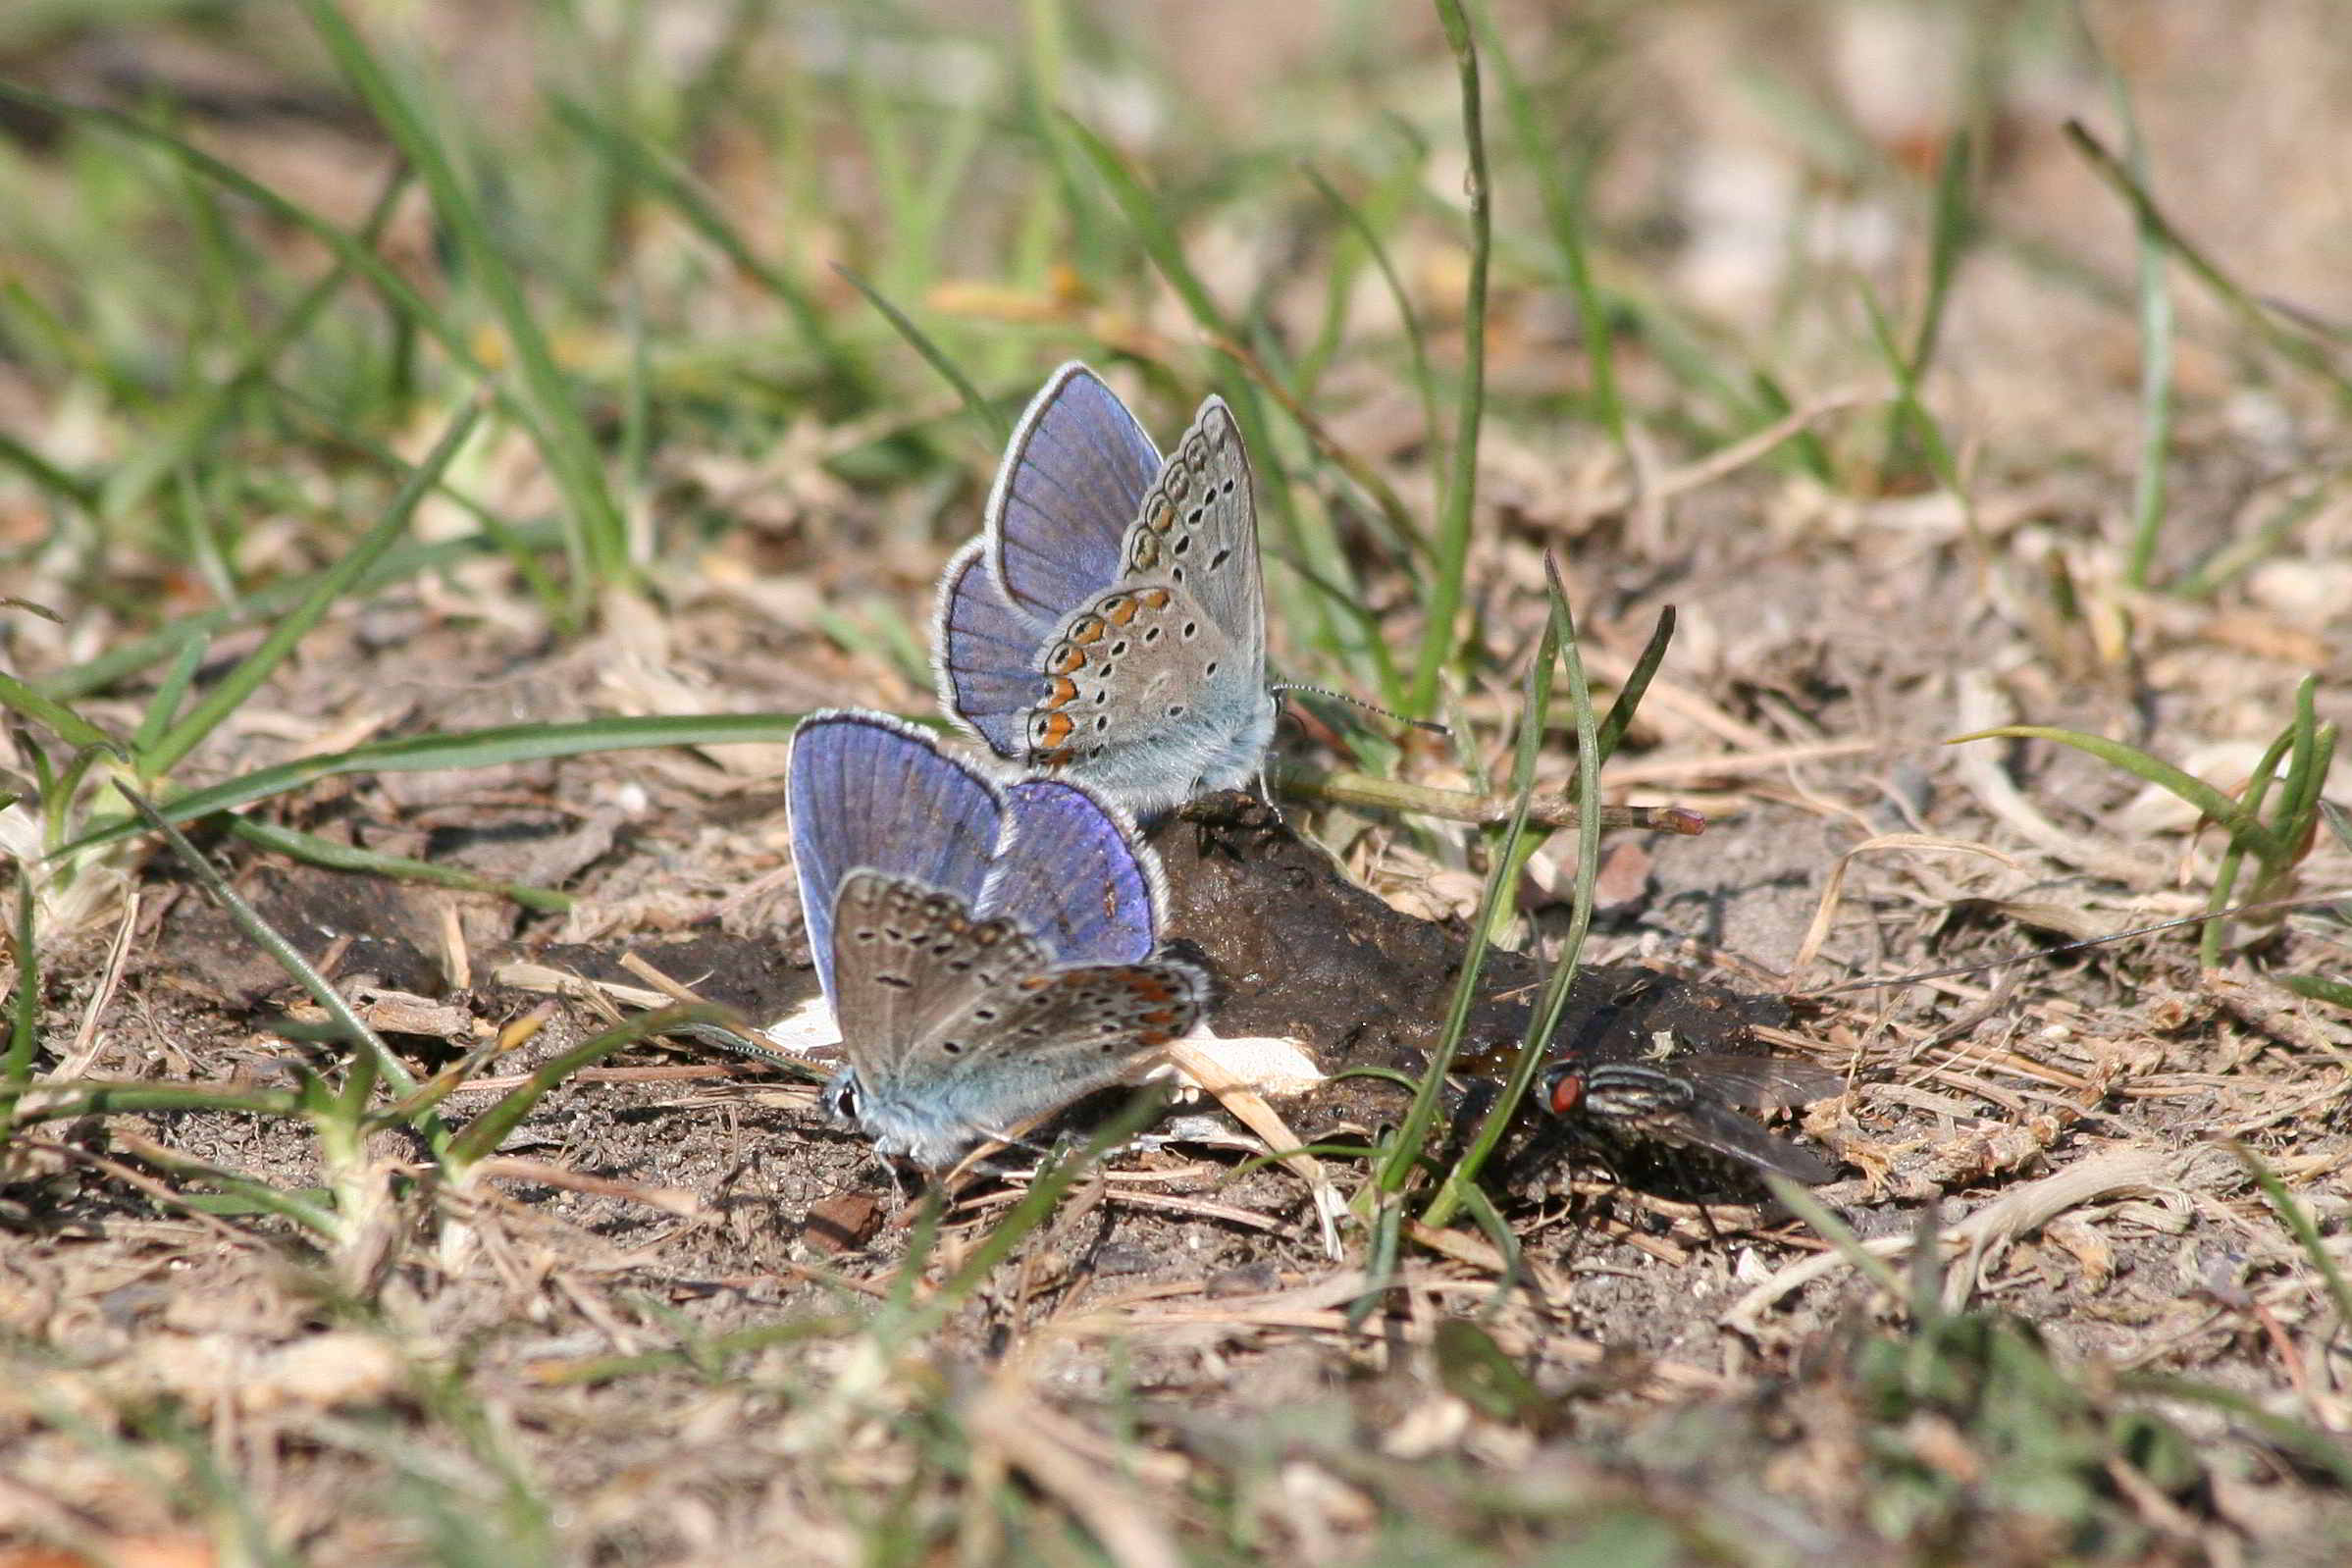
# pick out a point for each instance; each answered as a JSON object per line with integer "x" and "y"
{"x": 906, "y": 961}
{"x": 1218, "y": 527}
{"x": 1166, "y": 696}
{"x": 1039, "y": 1052}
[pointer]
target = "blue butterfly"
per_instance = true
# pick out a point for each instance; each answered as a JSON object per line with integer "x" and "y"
{"x": 1108, "y": 623}
{"x": 988, "y": 950}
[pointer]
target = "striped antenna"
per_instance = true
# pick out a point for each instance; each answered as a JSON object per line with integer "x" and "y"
{"x": 1430, "y": 726}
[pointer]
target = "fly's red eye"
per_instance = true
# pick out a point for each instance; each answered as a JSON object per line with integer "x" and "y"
{"x": 1566, "y": 1090}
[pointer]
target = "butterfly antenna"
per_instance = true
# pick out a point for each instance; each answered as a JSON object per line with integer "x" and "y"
{"x": 1430, "y": 725}
{"x": 725, "y": 1039}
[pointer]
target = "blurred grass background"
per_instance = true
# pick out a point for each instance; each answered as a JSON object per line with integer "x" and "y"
{"x": 626, "y": 220}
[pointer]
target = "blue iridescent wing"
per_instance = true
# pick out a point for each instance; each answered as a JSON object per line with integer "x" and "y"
{"x": 866, "y": 792}
{"x": 1071, "y": 487}
{"x": 1072, "y": 873}
{"x": 983, "y": 656}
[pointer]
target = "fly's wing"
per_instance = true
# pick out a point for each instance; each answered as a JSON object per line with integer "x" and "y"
{"x": 910, "y": 961}
{"x": 1198, "y": 530}
{"x": 984, "y": 655}
{"x": 865, "y": 791}
{"x": 1032, "y": 1045}
{"x": 1762, "y": 1083}
{"x": 1072, "y": 873}
{"x": 1661, "y": 1103}
{"x": 1068, "y": 490}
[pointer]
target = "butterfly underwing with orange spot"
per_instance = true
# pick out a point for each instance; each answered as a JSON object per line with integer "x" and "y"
{"x": 1108, "y": 623}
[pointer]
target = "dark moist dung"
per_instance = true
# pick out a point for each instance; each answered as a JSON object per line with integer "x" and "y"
{"x": 1299, "y": 950}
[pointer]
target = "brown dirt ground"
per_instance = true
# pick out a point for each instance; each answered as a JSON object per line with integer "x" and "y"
{"x": 696, "y": 1195}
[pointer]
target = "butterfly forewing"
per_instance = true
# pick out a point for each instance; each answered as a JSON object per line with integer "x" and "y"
{"x": 865, "y": 791}
{"x": 1197, "y": 530}
{"x": 1073, "y": 480}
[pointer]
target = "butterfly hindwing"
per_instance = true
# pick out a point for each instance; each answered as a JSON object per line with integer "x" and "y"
{"x": 1033, "y": 1044}
{"x": 1148, "y": 698}
{"x": 1071, "y": 870}
{"x": 984, "y": 656}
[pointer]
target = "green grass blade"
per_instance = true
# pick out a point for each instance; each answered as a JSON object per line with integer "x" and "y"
{"x": 2290, "y": 345}
{"x": 169, "y": 693}
{"x": 1544, "y": 1019}
{"x": 457, "y": 749}
{"x": 261, "y": 934}
{"x": 2242, "y": 554}
{"x": 1909, "y": 413}
{"x": 1425, "y": 383}
{"x": 397, "y": 565}
{"x": 1147, "y": 216}
{"x": 685, "y": 195}
{"x": 1046, "y": 1188}
{"x": 1628, "y": 698}
{"x": 980, "y": 408}
{"x": 1440, "y": 638}
{"x": 1406, "y": 1150}
{"x": 241, "y": 682}
{"x": 316, "y": 851}
{"x": 198, "y": 420}
{"x": 68, "y": 1099}
{"x": 382, "y": 277}
{"x": 1838, "y": 1234}
{"x": 45, "y": 474}
{"x": 2306, "y": 1231}
{"x": 480, "y": 1138}
{"x": 1562, "y": 196}
{"x": 24, "y": 1005}
{"x": 600, "y": 534}
{"x": 53, "y": 715}
{"x": 2324, "y": 1450}
{"x": 2231, "y": 815}
{"x": 2148, "y": 489}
